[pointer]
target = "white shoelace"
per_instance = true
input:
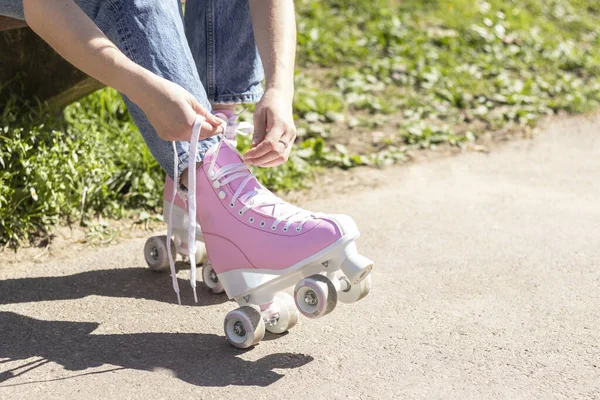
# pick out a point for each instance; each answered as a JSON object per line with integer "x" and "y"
{"x": 234, "y": 128}
{"x": 255, "y": 198}
{"x": 191, "y": 197}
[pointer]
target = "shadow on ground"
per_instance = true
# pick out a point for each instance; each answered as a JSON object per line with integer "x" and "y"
{"x": 138, "y": 283}
{"x": 196, "y": 358}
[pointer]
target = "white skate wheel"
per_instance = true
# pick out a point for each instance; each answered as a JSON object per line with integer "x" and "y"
{"x": 353, "y": 293}
{"x": 211, "y": 280}
{"x": 288, "y": 314}
{"x": 155, "y": 252}
{"x": 315, "y": 296}
{"x": 244, "y": 327}
{"x": 356, "y": 268}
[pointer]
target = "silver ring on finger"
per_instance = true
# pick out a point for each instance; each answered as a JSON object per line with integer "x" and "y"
{"x": 285, "y": 144}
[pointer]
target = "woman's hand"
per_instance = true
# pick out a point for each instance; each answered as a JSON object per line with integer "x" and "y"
{"x": 172, "y": 111}
{"x": 274, "y": 129}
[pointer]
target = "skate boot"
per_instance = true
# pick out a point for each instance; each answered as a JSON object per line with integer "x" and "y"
{"x": 262, "y": 249}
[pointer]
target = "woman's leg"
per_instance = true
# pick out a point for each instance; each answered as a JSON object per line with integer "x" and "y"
{"x": 151, "y": 33}
{"x": 222, "y": 43}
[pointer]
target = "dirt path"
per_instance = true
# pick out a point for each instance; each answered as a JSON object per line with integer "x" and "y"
{"x": 487, "y": 285}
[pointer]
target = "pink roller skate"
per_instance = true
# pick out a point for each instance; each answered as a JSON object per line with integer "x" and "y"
{"x": 261, "y": 248}
{"x": 274, "y": 259}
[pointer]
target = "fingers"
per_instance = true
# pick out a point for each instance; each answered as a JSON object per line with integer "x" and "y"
{"x": 288, "y": 137}
{"x": 183, "y": 132}
{"x": 269, "y": 144}
{"x": 277, "y": 156}
{"x": 272, "y": 151}
{"x": 209, "y": 130}
{"x": 275, "y": 162}
{"x": 260, "y": 128}
{"x": 210, "y": 118}
{"x": 212, "y": 125}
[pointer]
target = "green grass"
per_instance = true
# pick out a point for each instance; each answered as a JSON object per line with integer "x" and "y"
{"x": 426, "y": 72}
{"x": 91, "y": 163}
{"x": 455, "y": 66}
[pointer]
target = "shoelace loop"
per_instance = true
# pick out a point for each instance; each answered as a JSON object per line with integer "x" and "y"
{"x": 191, "y": 197}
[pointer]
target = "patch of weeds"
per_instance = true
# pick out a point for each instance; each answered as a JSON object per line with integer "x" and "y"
{"x": 484, "y": 64}
{"x": 145, "y": 220}
{"x": 100, "y": 233}
{"x": 426, "y": 135}
{"x": 93, "y": 162}
{"x": 311, "y": 104}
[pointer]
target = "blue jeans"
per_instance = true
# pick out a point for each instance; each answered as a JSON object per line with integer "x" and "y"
{"x": 218, "y": 61}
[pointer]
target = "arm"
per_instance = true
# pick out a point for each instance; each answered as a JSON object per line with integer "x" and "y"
{"x": 274, "y": 25}
{"x": 65, "y": 27}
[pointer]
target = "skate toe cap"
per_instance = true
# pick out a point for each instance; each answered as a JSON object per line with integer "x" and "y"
{"x": 344, "y": 224}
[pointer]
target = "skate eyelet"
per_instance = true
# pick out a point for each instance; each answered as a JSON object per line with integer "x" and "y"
{"x": 241, "y": 212}
{"x": 251, "y": 220}
{"x": 285, "y": 229}
{"x": 217, "y": 184}
{"x": 298, "y": 229}
{"x": 222, "y": 195}
{"x": 262, "y": 223}
{"x": 231, "y": 205}
{"x": 273, "y": 228}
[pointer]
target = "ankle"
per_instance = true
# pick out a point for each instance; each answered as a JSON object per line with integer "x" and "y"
{"x": 224, "y": 108}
